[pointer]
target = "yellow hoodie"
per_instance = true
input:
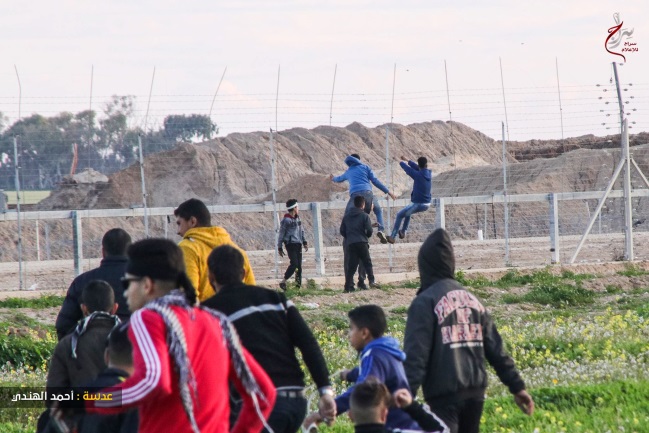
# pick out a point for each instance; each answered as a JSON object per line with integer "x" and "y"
{"x": 197, "y": 244}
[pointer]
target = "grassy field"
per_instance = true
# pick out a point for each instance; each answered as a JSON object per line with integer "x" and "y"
{"x": 581, "y": 342}
{"x": 26, "y": 197}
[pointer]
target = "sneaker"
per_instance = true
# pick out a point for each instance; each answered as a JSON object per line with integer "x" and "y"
{"x": 390, "y": 239}
{"x": 402, "y": 234}
{"x": 381, "y": 236}
{"x": 282, "y": 286}
{"x": 375, "y": 285}
{"x": 361, "y": 286}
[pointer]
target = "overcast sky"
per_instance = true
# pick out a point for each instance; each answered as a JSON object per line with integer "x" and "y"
{"x": 54, "y": 45}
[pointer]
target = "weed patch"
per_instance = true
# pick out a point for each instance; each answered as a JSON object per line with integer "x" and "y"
{"x": 632, "y": 271}
{"x": 47, "y": 301}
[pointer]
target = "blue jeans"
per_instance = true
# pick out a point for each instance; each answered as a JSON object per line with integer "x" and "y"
{"x": 405, "y": 214}
{"x": 369, "y": 199}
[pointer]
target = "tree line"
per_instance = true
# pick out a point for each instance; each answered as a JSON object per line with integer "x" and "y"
{"x": 108, "y": 143}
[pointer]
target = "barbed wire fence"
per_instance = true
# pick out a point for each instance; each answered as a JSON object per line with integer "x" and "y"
{"x": 536, "y": 111}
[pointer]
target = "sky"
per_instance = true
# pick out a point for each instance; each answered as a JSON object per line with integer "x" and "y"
{"x": 282, "y": 56}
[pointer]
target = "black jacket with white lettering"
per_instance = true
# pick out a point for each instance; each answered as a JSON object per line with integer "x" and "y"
{"x": 271, "y": 328}
{"x": 449, "y": 334}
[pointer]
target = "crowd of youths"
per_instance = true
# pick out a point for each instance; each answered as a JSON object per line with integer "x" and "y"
{"x": 182, "y": 340}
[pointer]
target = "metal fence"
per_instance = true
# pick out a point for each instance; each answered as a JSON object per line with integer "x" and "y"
{"x": 542, "y": 229}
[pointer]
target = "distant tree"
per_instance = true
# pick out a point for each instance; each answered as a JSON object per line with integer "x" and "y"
{"x": 45, "y": 147}
{"x": 180, "y": 127}
{"x": 116, "y": 151}
{"x": 4, "y": 120}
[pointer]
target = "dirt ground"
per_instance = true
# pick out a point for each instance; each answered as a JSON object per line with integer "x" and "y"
{"x": 400, "y": 258}
{"x": 600, "y": 255}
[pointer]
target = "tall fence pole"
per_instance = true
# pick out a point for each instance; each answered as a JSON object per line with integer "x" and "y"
{"x": 273, "y": 180}
{"x": 273, "y": 188}
{"x": 388, "y": 165}
{"x": 77, "y": 242}
{"x": 502, "y": 82}
{"x": 217, "y": 92}
{"x": 38, "y": 241}
{"x": 626, "y": 155}
{"x": 333, "y": 87}
{"x": 505, "y": 204}
{"x": 144, "y": 194}
{"x": 628, "y": 205}
{"x": 318, "y": 241}
{"x": 554, "y": 228}
{"x": 20, "y": 232}
{"x": 440, "y": 215}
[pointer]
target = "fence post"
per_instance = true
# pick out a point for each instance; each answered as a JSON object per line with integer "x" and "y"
{"x": 77, "y": 242}
{"x": 554, "y": 227}
{"x": 440, "y": 216}
{"x": 38, "y": 242}
{"x": 317, "y": 239}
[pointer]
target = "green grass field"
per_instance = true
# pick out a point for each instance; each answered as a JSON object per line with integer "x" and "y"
{"x": 583, "y": 352}
{"x": 26, "y": 197}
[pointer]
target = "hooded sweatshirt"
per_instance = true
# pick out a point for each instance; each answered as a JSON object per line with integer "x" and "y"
{"x": 197, "y": 244}
{"x": 382, "y": 359}
{"x": 449, "y": 333}
{"x": 291, "y": 231}
{"x": 423, "y": 184}
{"x": 360, "y": 177}
{"x": 356, "y": 226}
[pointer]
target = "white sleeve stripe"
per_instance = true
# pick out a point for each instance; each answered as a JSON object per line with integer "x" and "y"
{"x": 255, "y": 309}
{"x": 151, "y": 360}
{"x": 135, "y": 323}
{"x": 438, "y": 419}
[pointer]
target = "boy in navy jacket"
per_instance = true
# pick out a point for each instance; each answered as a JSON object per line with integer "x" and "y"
{"x": 420, "y": 198}
{"x": 381, "y": 359}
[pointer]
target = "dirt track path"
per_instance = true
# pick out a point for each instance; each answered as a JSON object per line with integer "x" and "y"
{"x": 55, "y": 276}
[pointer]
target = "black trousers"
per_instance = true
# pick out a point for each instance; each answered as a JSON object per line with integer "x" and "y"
{"x": 286, "y": 417}
{"x": 362, "y": 275}
{"x": 359, "y": 252}
{"x": 294, "y": 252}
{"x": 461, "y": 417}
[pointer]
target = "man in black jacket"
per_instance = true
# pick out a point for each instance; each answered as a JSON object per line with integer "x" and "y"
{"x": 270, "y": 328}
{"x": 449, "y": 333}
{"x": 356, "y": 228}
{"x": 111, "y": 269}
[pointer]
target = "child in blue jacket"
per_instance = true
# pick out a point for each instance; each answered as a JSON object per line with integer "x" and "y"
{"x": 381, "y": 358}
{"x": 420, "y": 198}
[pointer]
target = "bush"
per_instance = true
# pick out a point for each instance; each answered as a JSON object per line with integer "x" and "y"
{"x": 47, "y": 301}
{"x": 29, "y": 351}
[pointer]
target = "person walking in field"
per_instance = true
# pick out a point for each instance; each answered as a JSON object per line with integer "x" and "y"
{"x": 271, "y": 328}
{"x": 420, "y": 198}
{"x": 449, "y": 335}
{"x": 199, "y": 239}
{"x": 291, "y": 235}
{"x": 114, "y": 244}
{"x": 184, "y": 356}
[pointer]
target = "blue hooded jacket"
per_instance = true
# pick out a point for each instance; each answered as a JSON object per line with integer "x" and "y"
{"x": 360, "y": 177}
{"x": 422, "y": 177}
{"x": 382, "y": 359}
